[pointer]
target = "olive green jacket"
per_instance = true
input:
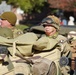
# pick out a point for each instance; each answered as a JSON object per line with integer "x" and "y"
{"x": 21, "y": 44}
{"x": 48, "y": 43}
{"x": 10, "y": 33}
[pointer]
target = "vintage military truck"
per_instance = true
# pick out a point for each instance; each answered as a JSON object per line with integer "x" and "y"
{"x": 46, "y": 66}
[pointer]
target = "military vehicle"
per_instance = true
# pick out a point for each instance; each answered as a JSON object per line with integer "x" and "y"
{"x": 45, "y": 67}
{"x": 64, "y": 30}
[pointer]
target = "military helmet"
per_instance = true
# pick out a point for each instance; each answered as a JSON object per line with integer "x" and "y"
{"x": 6, "y": 32}
{"x": 10, "y": 17}
{"x": 51, "y": 20}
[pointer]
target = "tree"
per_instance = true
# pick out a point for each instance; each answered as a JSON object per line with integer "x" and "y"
{"x": 68, "y": 5}
{"x": 28, "y": 5}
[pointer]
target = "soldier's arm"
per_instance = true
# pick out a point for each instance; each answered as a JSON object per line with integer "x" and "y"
{"x": 45, "y": 43}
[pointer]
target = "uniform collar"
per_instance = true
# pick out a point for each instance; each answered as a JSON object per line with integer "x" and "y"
{"x": 53, "y": 36}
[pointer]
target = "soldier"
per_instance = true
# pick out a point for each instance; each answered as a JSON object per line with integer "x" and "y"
{"x": 52, "y": 45}
{"x": 13, "y": 41}
{"x": 7, "y": 23}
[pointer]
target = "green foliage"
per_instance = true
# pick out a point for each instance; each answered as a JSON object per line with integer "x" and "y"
{"x": 0, "y": 1}
{"x": 74, "y": 4}
{"x": 28, "y": 5}
{"x": 54, "y": 10}
{"x": 38, "y": 5}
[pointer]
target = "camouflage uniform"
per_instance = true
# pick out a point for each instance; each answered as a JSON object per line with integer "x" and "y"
{"x": 50, "y": 46}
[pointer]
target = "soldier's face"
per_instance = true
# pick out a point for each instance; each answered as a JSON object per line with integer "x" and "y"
{"x": 49, "y": 30}
{"x": 4, "y": 23}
